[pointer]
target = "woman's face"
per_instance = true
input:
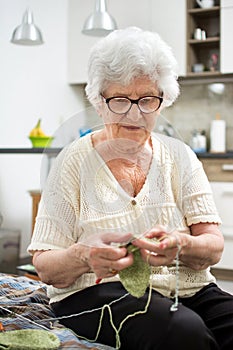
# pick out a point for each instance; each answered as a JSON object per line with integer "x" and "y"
{"x": 133, "y": 125}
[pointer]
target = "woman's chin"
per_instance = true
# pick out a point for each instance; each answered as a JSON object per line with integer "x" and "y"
{"x": 134, "y": 133}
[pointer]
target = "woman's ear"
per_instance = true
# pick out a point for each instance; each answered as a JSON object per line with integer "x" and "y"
{"x": 98, "y": 109}
{"x": 99, "y": 112}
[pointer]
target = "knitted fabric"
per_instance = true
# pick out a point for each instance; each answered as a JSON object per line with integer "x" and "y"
{"x": 83, "y": 202}
{"x": 29, "y": 339}
{"x": 136, "y": 277}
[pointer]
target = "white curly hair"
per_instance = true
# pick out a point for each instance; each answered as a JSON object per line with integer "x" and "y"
{"x": 129, "y": 53}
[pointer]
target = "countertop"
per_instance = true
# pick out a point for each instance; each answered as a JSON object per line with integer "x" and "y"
{"x": 226, "y": 155}
{"x": 54, "y": 151}
{"x": 30, "y": 150}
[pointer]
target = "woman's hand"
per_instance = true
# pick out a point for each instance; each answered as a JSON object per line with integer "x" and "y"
{"x": 198, "y": 250}
{"x": 159, "y": 247}
{"x": 106, "y": 262}
{"x": 107, "y": 254}
{"x": 61, "y": 268}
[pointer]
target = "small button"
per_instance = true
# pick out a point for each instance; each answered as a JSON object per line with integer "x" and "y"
{"x": 133, "y": 201}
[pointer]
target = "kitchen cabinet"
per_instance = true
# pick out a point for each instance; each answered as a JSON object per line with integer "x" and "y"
{"x": 168, "y": 18}
{"x": 146, "y": 14}
{"x": 126, "y": 13}
{"x": 223, "y": 195}
{"x": 174, "y": 20}
{"x": 226, "y": 36}
{"x": 203, "y": 48}
{"x": 220, "y": 175}
{"x": 218, "y": 169}
{"x": 78, "y": 44}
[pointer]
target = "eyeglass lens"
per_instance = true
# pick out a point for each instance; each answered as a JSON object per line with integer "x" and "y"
{"x": 121, "y": 105}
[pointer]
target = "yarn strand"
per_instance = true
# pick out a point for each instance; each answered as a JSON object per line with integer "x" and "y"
{"x": 23, "y": 318}
{"x": 174, "y": 306}
{"x": 117, "y": 330}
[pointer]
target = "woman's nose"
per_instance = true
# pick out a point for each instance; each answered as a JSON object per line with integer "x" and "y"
{"x": 134, "y": 113}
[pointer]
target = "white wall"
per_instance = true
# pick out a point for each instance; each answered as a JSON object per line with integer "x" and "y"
{"x": 33, "y": 84}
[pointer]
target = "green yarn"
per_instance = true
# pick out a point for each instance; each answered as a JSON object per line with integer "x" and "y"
{"x": 29, "y": 339}
{"x": 136, "y": 277}
{"x": 117, "y": 330}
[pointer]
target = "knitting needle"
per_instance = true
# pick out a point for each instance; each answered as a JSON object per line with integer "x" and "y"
{"x": 98, "y": 280}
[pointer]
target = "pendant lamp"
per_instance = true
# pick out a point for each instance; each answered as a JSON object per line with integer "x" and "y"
{"x": 27, "y": 33}
{"x": 100, "y": 22}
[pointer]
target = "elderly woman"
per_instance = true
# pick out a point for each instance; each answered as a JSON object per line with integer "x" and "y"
{"x": 126, "y": 186}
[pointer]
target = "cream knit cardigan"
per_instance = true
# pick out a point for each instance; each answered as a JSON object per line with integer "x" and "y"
{"x": 83, "y": 202}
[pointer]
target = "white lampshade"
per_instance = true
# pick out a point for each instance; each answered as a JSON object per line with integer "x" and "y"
{"x": 27, "y": 33}
{"x": 100, "y": 22}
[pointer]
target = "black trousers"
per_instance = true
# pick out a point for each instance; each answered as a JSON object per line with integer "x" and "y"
{"x": 202, "y": 322}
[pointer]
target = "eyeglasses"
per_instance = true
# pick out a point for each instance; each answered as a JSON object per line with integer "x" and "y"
{"x": 122, "y": 105}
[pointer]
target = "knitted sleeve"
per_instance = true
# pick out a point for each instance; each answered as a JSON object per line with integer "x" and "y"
{"x": 56, "y": 221}
{"x": 198, "y": 203}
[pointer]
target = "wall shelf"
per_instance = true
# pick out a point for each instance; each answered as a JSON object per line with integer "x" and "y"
{"x": 203, "y": 11}
{"x": 210, "y": 40}
{"x": 207, "y": 50}
{"x": 204, "y": 74}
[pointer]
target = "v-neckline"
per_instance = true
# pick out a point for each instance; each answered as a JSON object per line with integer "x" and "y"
{"x": 113, "y": 178}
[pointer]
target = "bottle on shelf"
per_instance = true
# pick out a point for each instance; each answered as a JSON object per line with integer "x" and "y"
{"x": 218, "y": 135}
{"x": 198, "y": 141}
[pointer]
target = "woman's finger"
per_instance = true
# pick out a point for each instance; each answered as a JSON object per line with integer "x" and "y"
{"x": 158, "y": 259}
{"x": 170, "y": 241}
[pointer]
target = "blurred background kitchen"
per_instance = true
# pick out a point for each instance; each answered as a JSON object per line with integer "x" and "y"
{"x": 47, "y": 81}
